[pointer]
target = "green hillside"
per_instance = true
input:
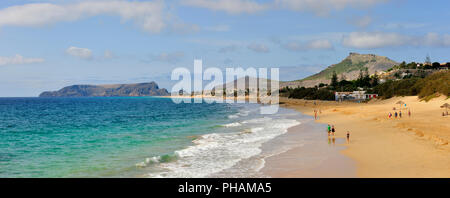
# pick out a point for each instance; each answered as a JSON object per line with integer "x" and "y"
{"x": 352, "y": 64}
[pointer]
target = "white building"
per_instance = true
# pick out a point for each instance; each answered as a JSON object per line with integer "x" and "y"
{"x": 355, "y": 96}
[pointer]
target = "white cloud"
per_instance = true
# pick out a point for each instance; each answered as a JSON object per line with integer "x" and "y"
{"x": 323, "y": 7}
{"x": 82, "y": 53}
{"x": 371, "y": 40}
{"x": 260, "y": 48}
{"x": 403, "y": 25}
{"x": 183, "y": 28}
{"x": 320, "y": 7}
{"x": 147, "y": 15}
{"x": 172, "y": 57}
{"x": 229, "y": 6}
{"x": 18, "y": 59}
{"x": 361, "y": 21}
{"x": 318, "y": 44}
{"x": 436, "y": 40}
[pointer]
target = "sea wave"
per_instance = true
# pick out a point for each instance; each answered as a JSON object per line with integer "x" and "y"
{"x": 234, "y": 124}
{"x": 156, "y": 160}
{"x": 241, "y": 113}
{"x": 215, "y": 152}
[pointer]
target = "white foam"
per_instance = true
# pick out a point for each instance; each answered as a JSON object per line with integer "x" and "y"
{"x": 233, "y": 116}
{"x": 215, "y": 152}
{"x": 241, "y": 113}
{"x": 234, "y": 124}
{"x": 148, "y": 161}
{"x": 258, "y": 120}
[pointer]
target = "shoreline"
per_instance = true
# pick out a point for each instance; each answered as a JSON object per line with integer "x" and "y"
{"x": 312, "y": 154}
{"x": 415, "y": 146}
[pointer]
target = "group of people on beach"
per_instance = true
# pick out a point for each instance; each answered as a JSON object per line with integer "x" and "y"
{"x": 399, "y": 114}
{"x": 332, "y": 131}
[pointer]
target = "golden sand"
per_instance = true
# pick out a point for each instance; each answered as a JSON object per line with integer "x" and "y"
{"x": 416, "y": 146}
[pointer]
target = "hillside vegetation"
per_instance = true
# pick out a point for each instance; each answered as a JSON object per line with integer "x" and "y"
{"x": 348, "y": 68}
{"x": 426, "y": 88}
{"x": 326, "y": 92}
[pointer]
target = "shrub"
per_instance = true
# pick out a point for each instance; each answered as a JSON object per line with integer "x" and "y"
{"x": 312, "y": 94}
{"x": 426, "y": 88}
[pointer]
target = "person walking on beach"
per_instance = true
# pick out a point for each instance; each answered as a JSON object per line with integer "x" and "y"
{"x": 390, "y": 115}
{"x": 400, "y": 114}
{"x": 329, "y": 130}
{"x": 315, "y": 114}
{"x": 409, "y": 113}
{"x": 395, "y": 115}
{"x": 348, "y": 137}
{"x": 332, "y": 130}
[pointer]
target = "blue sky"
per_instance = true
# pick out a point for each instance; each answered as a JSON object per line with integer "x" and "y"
{"x": 46, "y": 45}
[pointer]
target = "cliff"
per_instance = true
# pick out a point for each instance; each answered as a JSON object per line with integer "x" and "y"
{"x": 139, "y": 89}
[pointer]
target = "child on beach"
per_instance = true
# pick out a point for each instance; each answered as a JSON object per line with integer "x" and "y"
{"x": 329, "y": 130}
{"x": 395, "y": 115}
{"x": 332, "y": 130}
{"x": 400, "y": 114}
{"x": 390, "y": 115}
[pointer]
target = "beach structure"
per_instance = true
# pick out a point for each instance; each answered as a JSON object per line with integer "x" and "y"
{"x": 354, "y": 96}
{"x": 444, "y": 66}
{"x": 401, "y": 103}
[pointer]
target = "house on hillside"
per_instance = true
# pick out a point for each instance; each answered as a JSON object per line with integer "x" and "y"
{"x": 353, "y": 96}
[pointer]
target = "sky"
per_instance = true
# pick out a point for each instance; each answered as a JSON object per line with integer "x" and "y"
{"x": 46, "y": 45}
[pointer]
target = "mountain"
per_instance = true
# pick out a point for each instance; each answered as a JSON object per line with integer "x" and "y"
{"x": 251, "y": 83}
{"x": 348, "y": 68}
{"x": 140, "y": 89}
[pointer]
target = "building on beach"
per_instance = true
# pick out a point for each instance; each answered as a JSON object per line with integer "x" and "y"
{"x": 353, "y": 96}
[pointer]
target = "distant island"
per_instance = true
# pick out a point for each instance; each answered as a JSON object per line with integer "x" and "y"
{"x": 138, "y": 89}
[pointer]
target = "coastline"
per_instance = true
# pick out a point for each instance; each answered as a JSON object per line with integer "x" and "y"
{"x": 415, "y": 146}
{"x": 304, "y": 150}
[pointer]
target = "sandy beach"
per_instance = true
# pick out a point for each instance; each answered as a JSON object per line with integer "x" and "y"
{"x": 411, "y": 146}
{"x": 313, "y": 153}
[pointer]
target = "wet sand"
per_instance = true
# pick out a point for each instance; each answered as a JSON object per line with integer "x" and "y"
{"x": 313, "y": 153}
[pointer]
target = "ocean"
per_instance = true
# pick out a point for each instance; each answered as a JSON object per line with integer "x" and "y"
{"x": 135, "y": 137}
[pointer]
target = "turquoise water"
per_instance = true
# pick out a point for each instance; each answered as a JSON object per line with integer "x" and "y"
{"x": 99, "y": 137}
